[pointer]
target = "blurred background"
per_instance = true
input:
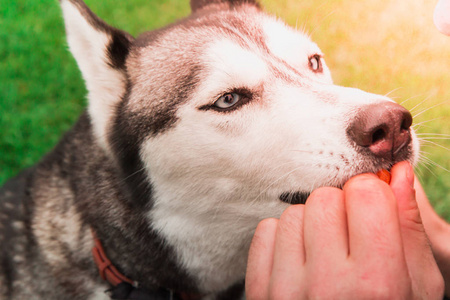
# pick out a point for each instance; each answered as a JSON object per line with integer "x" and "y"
{"x": 381, "y": 46}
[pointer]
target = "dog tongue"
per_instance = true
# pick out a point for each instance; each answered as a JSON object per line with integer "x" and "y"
{"x": 442, "y": 16}
{"x": 384, "y": 175}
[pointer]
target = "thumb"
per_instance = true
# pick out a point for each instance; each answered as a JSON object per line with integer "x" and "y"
{"x": 419, "y": 257}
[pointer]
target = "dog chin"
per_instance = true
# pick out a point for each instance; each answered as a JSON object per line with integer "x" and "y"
{"x": 300, "y": 197}
{"x": 294, "y": 197}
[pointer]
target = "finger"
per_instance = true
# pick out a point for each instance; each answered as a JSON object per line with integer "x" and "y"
{"x": 432, "y": 222}
{"x": 373, "y": 225}
{"x": 289, "y": 255}
{"x": 421, "y": 264}
{"x": 402, "y": 184}
{"x": 441, "y": 16}
{"x": 260, "y": 259}
{"x": 413, "y": 232}
{"x": 325, "y": 233}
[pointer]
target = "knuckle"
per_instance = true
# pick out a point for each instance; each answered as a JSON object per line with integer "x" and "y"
{"x": 368, "y": 190}
{"x": 267, "y": 224}
{"x": 370, "y": 181}
{"x": 324, "y": 194}
{"x": 318, "y": 292}
{"x": 387, "y": 288}
{"x": 284, "y": 291}
{"x": 291, "y": 221}
{"x": 325, "y": 197}
{"x": 263, "y": 230}
{"x": 292, "y": 214}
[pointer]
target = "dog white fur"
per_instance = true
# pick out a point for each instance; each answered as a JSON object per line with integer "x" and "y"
{"x": 216, "y": 168}
{"x": 231, "y": 168}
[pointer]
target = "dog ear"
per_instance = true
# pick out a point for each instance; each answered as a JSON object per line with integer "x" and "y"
{"x": 200, "y": 4}
{"x": 100, "y": 51}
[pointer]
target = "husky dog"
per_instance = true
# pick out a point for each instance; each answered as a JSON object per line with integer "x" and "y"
{"x": 193, "y": 134}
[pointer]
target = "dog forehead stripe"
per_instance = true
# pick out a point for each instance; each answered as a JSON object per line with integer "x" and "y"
{"x": 236, "y": 65}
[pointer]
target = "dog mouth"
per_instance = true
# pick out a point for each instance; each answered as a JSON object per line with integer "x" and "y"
{"x": 301, "y": 197}
{"x": 294, "y": 197}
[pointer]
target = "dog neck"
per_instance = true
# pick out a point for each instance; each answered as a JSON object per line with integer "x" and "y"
{"x": 124, "y": 287}
{"x": 209, "y": 237}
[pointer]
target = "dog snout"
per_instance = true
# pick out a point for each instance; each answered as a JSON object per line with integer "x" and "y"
{"x": 383, "y": 128}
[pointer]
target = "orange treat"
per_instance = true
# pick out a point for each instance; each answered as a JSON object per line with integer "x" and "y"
{"x": 384, "y": 175}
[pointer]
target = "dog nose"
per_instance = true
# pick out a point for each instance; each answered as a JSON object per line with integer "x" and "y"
{"x": 383, "y": 128}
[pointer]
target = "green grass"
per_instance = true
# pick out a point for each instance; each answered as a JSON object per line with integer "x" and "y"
{"x": 377, "y": 45}
{"x": 42, "y": 92}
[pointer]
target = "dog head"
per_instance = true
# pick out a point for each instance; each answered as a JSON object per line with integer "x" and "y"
{"x": 227, "y": 115}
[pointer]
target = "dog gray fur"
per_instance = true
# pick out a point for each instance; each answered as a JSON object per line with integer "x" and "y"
{"x": 97, "y": 177}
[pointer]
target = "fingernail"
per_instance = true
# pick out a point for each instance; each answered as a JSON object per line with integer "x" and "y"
{"x": 410, "y": 175}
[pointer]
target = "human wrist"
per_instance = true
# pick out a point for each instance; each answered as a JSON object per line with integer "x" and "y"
{"x": 440, "y": 244}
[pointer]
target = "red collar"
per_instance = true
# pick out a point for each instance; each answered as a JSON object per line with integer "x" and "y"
{"x": 110, "y": 274}
{"x": 105, "y": 267}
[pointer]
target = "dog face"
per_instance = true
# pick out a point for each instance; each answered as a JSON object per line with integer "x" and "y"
{"x": 254, "y": 113}
{"x": 224, "y": 118}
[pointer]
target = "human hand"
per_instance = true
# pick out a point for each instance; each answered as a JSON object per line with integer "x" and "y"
{"x": 365, "y": 241}
{"x": 441, "y": 16}
{"x": 437, "y": 229}
{"x": 438, "y": 232}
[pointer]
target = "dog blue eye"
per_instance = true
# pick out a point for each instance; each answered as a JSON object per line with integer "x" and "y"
{"x": 227, "y": 100}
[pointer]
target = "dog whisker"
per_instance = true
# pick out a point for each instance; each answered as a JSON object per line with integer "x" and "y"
{"x": 303, "y": 151}
{"x": 276, "y": 181}
{"x": 433, "y": 163}
{"x": 427, "y": 109}
{"x": 430, "y": 134}
{"x": 438, "y": 138}
{"x": 426, "y": 121}
{"x": 418, "y": 104}
{"x": 434, "y": 143}
{"x": 322, "y": 20}
{"x": 392, "y": 91}
{"x": 276, "y": 169}
{"x": 426, "y": 166}
{"x": 252, "y": 202}
{"x": 411, "y": 98}
{"x": 421, "y": 152}
{"x": 132, "y": 174}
